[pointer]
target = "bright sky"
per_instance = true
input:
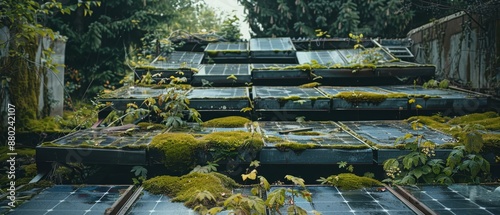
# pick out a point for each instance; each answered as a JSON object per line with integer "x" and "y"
{"x": 229, "y": 8}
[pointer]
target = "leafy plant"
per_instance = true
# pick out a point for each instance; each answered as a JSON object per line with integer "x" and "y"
{"x": 464, "y": 163}
{"x": 140, "y": 173}
{"x": 210, "y": 167}
{"x": 280, "y": 197}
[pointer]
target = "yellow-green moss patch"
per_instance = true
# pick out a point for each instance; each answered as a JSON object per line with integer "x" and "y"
{"x": 307, "y": 133}
{"x": 184, "y": 188}
{"x": 361, "y": 97}
{"x": 349, "y": 181}
{"x": 179, "y": 150}
{"x": 21, "y": 152}
{"x": 232, "y": 140}
{"x": 151, "y": 126}
{"x": 227, "y": 122}
{"x": 296, "y": 147}
{"x": 310, "y": 85}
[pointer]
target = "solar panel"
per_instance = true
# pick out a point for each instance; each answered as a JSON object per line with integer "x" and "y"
{"x": 271, "y": 44}
{"x": 224, "y": 69}
{"x": 105, "y": 138}
{"x": 227, "y": 46}
{"x": 289, "y": 98}
{"x": 149, "y": 203}
{"x": 218, "y": 93}
{"x": 323, "y": 133}
{"x": 135, "y": 92}
{"x": 261, "y": 66}
{"x": 355, "y": 54}
{"x": 333, "y": 91}
{"x": 284, "y": 92}
{"x": 459, "y": 198}
{"x": 327, "y": 58}
{"x": 330, "y": 200}
{"x": 419, "y": 90}
{"x": 184, "y": 57}
{"x": 385, "y": 133}
{"x": 69, "y": 199}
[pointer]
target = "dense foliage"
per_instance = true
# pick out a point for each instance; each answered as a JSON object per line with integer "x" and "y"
{"x": 374, "y": 18}
{"x": 100, "y": 42}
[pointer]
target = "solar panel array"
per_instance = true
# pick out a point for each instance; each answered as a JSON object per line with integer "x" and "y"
{"x": 180, "y": 60}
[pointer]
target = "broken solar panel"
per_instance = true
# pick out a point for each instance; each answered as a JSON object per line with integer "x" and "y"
{"x": 385, "y": 133}
{"x": 177, "y": 64}
{"x": 458, "y": 198}
{"x": 329, "y": 200}
{"x": 274, "y": 48}
{"x": 132, "y": 94}
{"x": 69, "y": 199}
{"x": 289, "y": 98}
{"x": 358, "y": 101}
{"x": 219, "y": 99}
{"x": 444, "y": 99}
{"x": 337, "y": 58}
{"x": 279, "y": 72}
{"x": 106, "y": 137}
{"x": 98, "y": 146}
{"x": 321, "y": 133}
{"x": 179, "y": 60}
{"x": 226, "y": 50}
{"x": 222, "y": 74}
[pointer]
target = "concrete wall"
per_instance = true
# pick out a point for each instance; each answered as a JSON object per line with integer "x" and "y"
{"x": 463, "y": 51}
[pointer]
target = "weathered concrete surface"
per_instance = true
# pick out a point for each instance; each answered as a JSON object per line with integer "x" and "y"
{"x": 463, "y": 51}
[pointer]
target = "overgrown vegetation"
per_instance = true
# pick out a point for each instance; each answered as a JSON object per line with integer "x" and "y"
{"x": 464, "y": 163}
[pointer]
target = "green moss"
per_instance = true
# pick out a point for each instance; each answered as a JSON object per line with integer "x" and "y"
{"x": 151, "y": 126}
{"x": 473, "y": 118}
{"x": 310, "y": 85}
{"x": 227, "y": 122}
{"x": 307, "y": 133}
{"x": 178, "y": 148}
{"x": 24, "y": 84}
{"x": 273, "y": 139}
{"x": 289, "y": 98}
{"x": 435, "y": 122}
{"x": 349, "y": 181}
{"x": 492, "y": 141}
{"x": 184, "y": 188}
{"x": 361, "y": 97}
{"x": 233, "y": 140}
{"x": 296, "y": 147}
{"x": 30, "y": 170}
{"x": 21, "y": 152}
